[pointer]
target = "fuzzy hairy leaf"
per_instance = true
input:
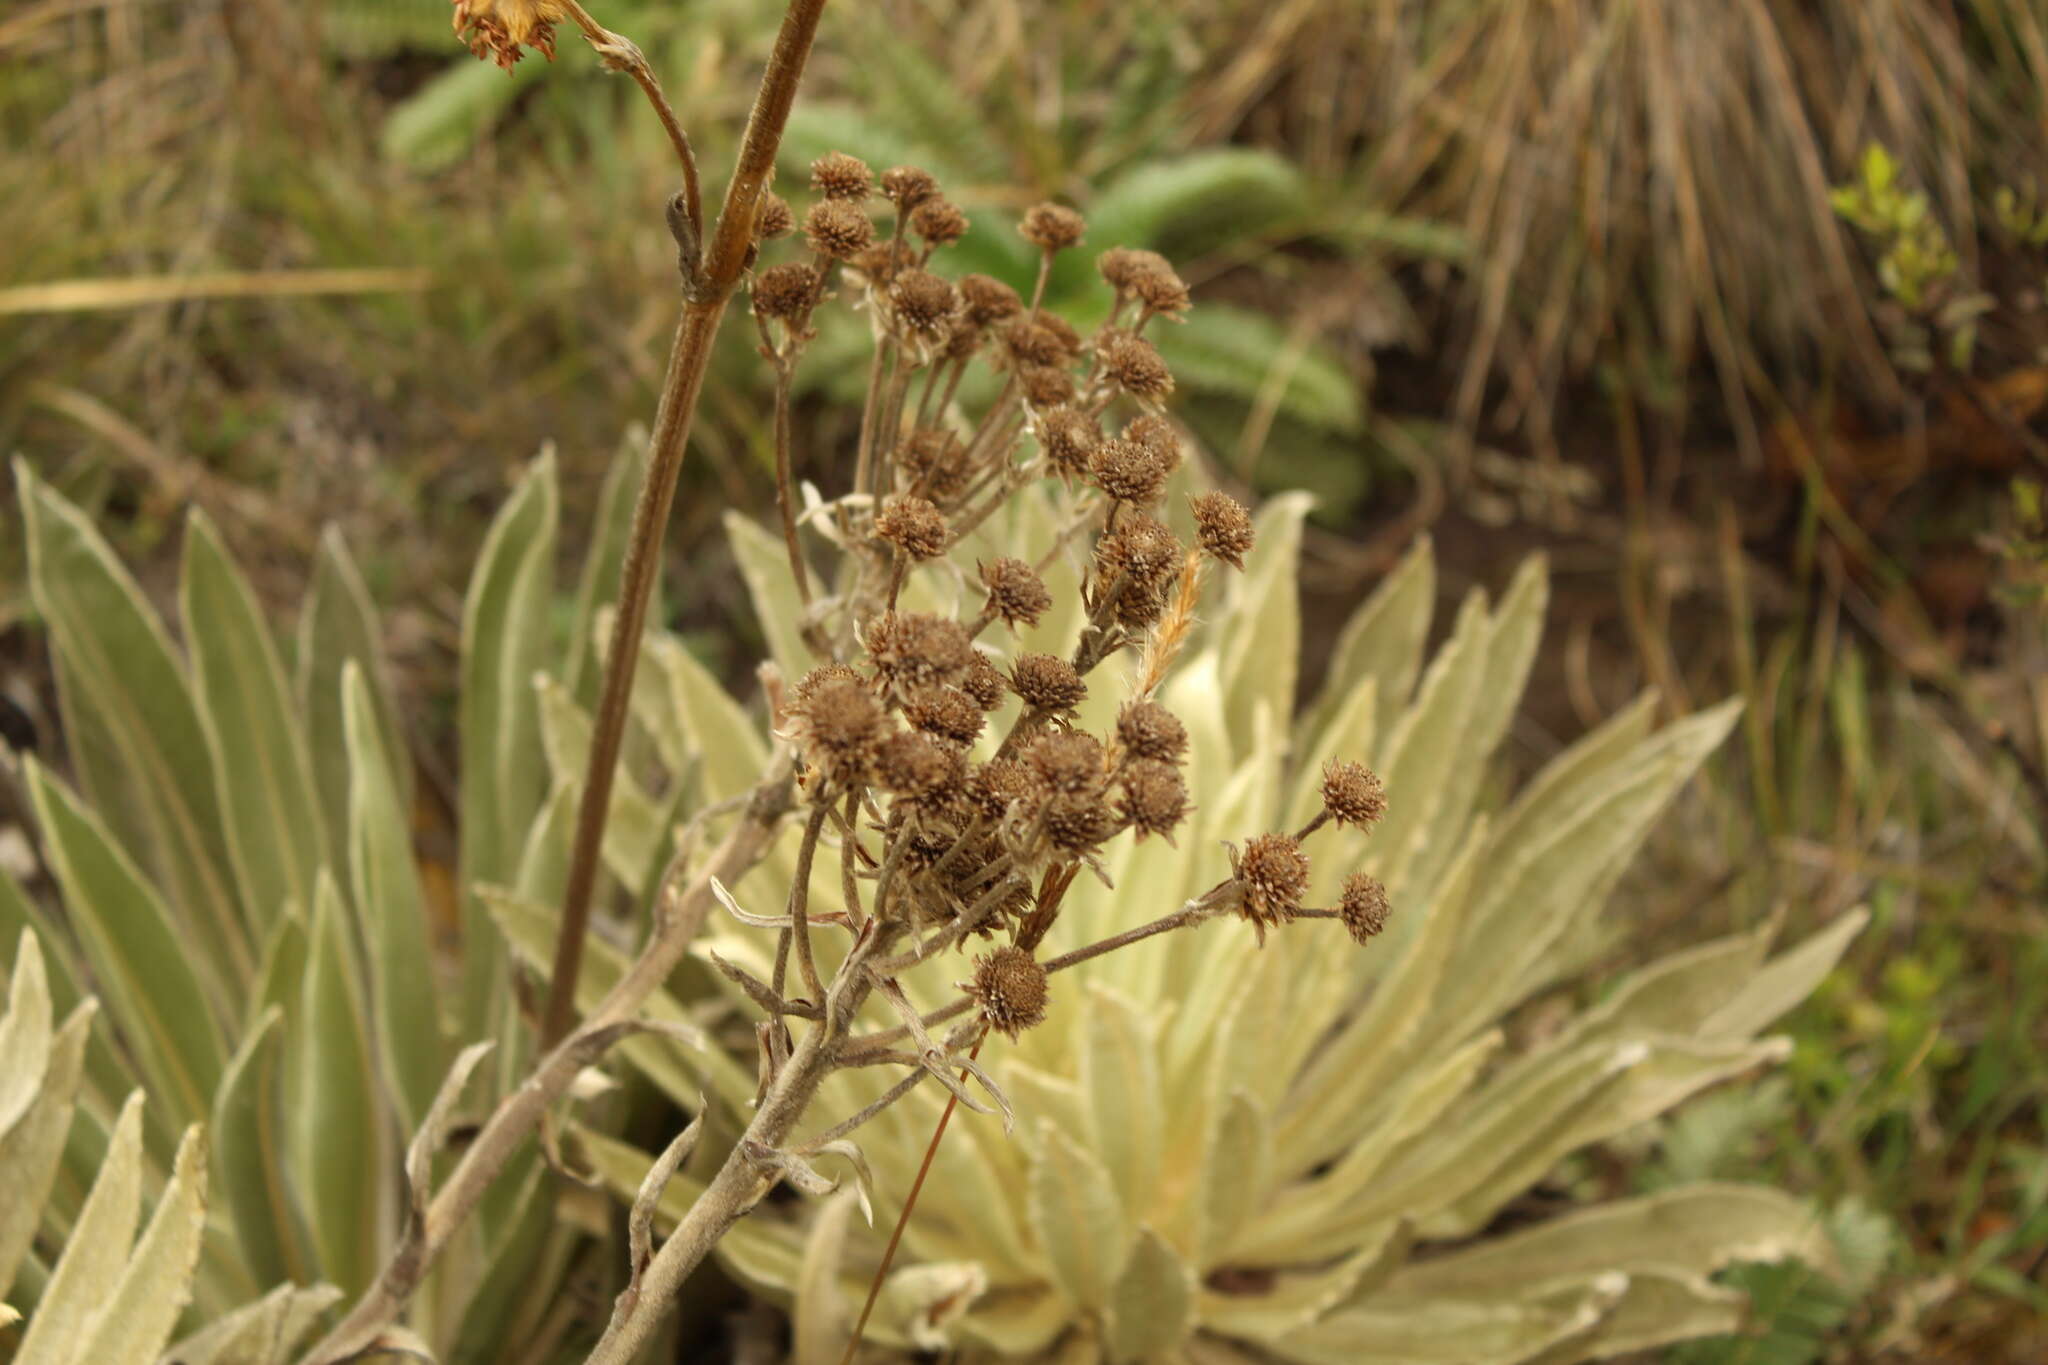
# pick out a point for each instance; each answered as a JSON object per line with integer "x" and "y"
{"x": 80, "y": 1289}
{"x": 1078, "y": 1218}
{"x": 32, "y": 1147}
{"x": 249, "y": 1170}
{"x": 338, "y": 625}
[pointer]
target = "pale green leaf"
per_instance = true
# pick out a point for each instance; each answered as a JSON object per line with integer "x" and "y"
{"x": 1245, "y": 354}
{"x": 266, "y": 1332}
{"x": 764, "y": 563}
{"x": 24, "y": 1034}
{"x": 137, "y": 953}
{"x": 683, "y": 1072}
{"x": 726, "y": 740}
{"x": 107, "y": 1073}
{"x": 1784, "y": 981}
{"x": 1384, "y": 638}
{"x": 1077, "y": 1218}
{"x": 249, "y": 1173}
{"x": 604, "y": 556}
{"x": 261, "y": 766}
{"x": 31, "y": 1150}
{"x": 80, "y": 1291}
{"x": 1287, "y": 1298}
{"x": 410, "y": 1046}
{"x": 1450, "y": 1331}
{"x": 637, "y": 825}
{"x": 505, "y": 641}
{"x": 339, "y": 1139}
{"x": 1246, "y": 188}
{"x": 338, "y": 625}
{"x": 1260, "y": 638}
{"x": 822, "y": 1317}
{"x": 1153, "y": 1302}
{"x": 1119, "y": 1072}
{"x": 1236, "y": 1168}
{"x": 139, "y": 748}
{"x": 438, "y": 124}
{"x": 157, "y": 1283}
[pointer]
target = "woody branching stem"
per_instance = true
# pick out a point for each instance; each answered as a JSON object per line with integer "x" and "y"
{"x": 722, "y": 264}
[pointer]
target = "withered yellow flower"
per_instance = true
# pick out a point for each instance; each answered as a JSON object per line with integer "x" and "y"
{"x": 498, "y": 29}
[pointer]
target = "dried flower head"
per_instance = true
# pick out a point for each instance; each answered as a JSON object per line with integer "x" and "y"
{"x": 1146, "y": 276}
{"x": 1140, "y": 606}
{"x": 994, "y": 786}
{"x": 1046, "y": 386}
{"x": 1150, "y": 731}
{"x": 1129, "y": 471}
{"x": 1066, "y": 763}
{"x": 1051, "y": 227}
{"x": 776, "y": 219}
{"x": 1010, "y": 988}
{"x": 913, "y": 525}
{"x": 498, "y": 29}
{"x": 984, "y": 682}
{"x": 839, "y": 176}
{"x": 785, "y": 292}
{"x": 1363, "y": 908}
{"x": 1029, "y": 342}
{"x": 1122, "y": 265}
{"x": 1353, "y": 794}
{"x": 1151, "y": 430}
{"x": 1076, "y": 824}
{"x": 807, "y": 686}
{"x": 989, "y": 300}
{"x": 946, "y": 714}
{"x": 1015, "y": 591}
{"x": 923, "y": 302}
{"x": 840, "y": 727}
{"x": 1134, "y": 366}
{"x": 1274, "y": 871}
{"x": 935, "y": 462}
{"x": 939, "y": 221}
{"x": 838, "y": 228}
{"x": 913, "y": 649}
{"x": 1141, "y": 551}
{"x": 1068, "y": 437}
{"x": 1223, "y": 528}
{"x": 1048, "y": 682}
{"x": 908, "y": 186}
{"x": 909, "y": 764}
{"x": 1154, "y": 797}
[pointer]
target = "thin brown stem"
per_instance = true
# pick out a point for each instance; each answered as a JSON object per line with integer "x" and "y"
{"x": 800, "y": 900}
{"x": 785, "y": 483}
{"x": 622, "y": 54}
{"x": 705, "y": 298}
{"x": 903, "y": 1220}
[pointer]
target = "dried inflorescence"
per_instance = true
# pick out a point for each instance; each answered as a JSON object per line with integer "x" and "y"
{"x": 1353, "y": 794}
{"x": 1047, "y": 682}
{"x": 1274, "y": 873}
{"x": 939, "y": 222}
{"x": 913, "y": 525}
{"x": 785, "y": 292}
{"x": 908, "y": 186}
{"x": 839, "y": 176}
{"x": 499, "y": 29}
{"x": 915, "y": 649}
{"x": 1154, "y": 796}
{"x": 1149, "y": 731}
{"x": 838, "y": 228}
{"x": 1052, "y": 227}
{"x": 838, "y": 725}
{"x": 1364, "y": 908}
{"x": 923, "y": 302}
{"x": 1133, "y": 364}
{"x": 1011, "y": 989}
{"x": 1016, "y": 593}
{"x": 1068, "y": 437}
{"x": 1223, "y": 528}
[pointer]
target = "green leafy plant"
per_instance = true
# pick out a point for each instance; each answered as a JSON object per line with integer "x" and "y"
{"x": 1917, "y": 264}
{"x": 1231, "y": 1152}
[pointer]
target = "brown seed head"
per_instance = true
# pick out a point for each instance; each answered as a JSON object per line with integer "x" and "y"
{"x": 989, "y": 300}
{"x": 946, "y": 714}
{"x": 1363, "y": 908}
{"x": 1129, "y": 471}
{"x": 838, "y": 228}
{"x": 1223, "y": 528}
{"x": 1274, "y": 871}
{"x": 1029, "y": 343}
{"x": 1046, "y": 386}
{"x": 1141, "y": 549}
{"x": 1154, "y": 431}
{"x": 939, "y": 221}
{"x": 1069, "y": 338}
{"x": 984, "y": 683}
{"x": 1150, "y": 731}
{"x": 1051, "y": 227}
{"x": 839, "y": 176}
{"x": 1135, "y": 367}
{"x": 840, "y": 727}
{"x": 1066, "y": 763}
{"x": 1015, "y": 591}
{"x": 907, "y": 186}
{"x": 1163, "y": 292}
{"x": 913, "y": 649}
{"x": 913, "y": 525}
{"x": 924, "y": 302}
{"x": 807, "y": 686}
{"x": 994, "y": 785}
{"x": 935, "y": 462}
{"x": 785, "y": 291}
{"x": 498, "y": 29}
{"x": 1047, "y": 682}
{"x": 877, "y": 264}
{"x": 1068, "y": 437}
{"x": 1353, "y": 794}
{"x": 911, "y": 765}
{"x": 1140, "y": 606}
{"x": 1154, "y": 797}
{"x": 1076, "y": 824}
{"x": 1010, "y": 987}
{"x": 776, "y": 218}
{"x": 1121, "y": 266}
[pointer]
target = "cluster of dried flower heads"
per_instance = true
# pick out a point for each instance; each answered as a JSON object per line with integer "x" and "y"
{"x": 963, "y": 838}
